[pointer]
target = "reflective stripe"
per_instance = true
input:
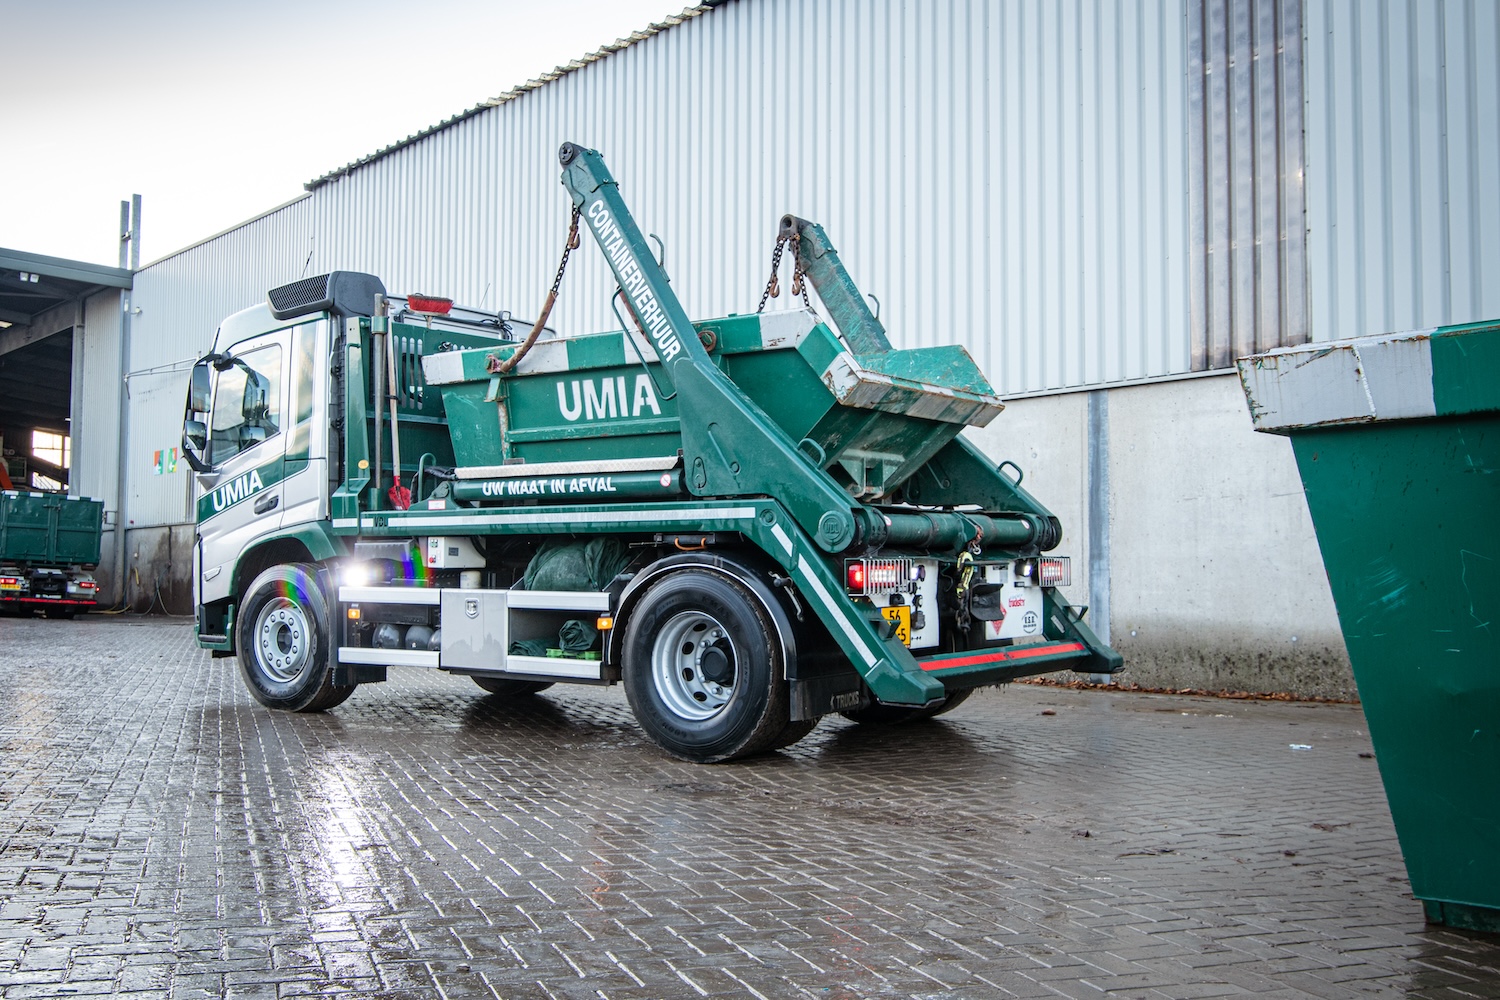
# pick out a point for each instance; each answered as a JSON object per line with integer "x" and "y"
{"x": 1002, "y": 655}
{"x": 566, "y": 517}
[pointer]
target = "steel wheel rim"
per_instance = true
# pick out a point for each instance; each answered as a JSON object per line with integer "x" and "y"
{"x": 281, "y": 639}
{"x": 677, "y": 665}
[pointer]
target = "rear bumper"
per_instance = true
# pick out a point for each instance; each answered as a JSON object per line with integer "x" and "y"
{"x": 972, "y": 668}
{"x": 1070, "y": 645}
{"x": 46, "y": 602}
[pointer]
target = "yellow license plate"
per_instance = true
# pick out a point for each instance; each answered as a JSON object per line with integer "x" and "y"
{"x": 901, "y": 615}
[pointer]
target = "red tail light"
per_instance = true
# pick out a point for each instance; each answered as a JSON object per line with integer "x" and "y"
{"x": 1055, "y": 571}
{"x": 880, "y": 576}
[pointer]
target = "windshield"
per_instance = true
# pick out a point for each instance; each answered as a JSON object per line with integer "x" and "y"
{"x": 247, "y": 404}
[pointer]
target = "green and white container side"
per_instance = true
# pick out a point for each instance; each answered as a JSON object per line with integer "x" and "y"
{"x": 1397, "y": 439}
{"x": 769, "y": 517}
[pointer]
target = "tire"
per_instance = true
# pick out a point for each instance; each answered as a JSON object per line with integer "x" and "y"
{"x": 702, "y": 663}
{"x": 509, "y": 687}
{"x": 895, "y": 715}
{"x": 283, "y": 640}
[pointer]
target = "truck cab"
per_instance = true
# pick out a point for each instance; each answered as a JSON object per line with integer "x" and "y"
{"x": 257, "y": 433}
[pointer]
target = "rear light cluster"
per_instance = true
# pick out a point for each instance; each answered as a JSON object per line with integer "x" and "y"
{"x": 10, "y": 581}
{"x": 866, "y": 577}
{"x": 1052, "y": 571}
{"x": 1055, "y": 571}
{"x": 88, "y": 585}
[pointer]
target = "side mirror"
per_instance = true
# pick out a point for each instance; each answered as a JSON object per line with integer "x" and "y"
{"x": 194, "y": 430}
{"x": 200, "y": 389}
{"x": 195, "y": 445}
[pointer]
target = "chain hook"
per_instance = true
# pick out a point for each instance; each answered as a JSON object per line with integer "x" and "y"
{"x": 773, "y": 286}
{"x": 498, "y": 367}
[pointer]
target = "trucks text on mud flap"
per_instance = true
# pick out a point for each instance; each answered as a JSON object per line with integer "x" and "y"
{"x": 749, "y": 522}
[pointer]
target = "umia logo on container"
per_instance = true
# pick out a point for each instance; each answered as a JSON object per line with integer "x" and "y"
{"x": 606, "y": 398}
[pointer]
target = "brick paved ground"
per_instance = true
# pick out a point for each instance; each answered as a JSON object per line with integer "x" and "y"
{"x": 161, "y": 835}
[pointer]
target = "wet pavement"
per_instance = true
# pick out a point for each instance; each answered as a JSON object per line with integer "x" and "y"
{"x": 163, "y": 836}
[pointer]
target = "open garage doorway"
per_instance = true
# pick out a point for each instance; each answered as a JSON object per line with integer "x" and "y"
{"x": 36, "y": 400}
{"x": 43, "y": 305}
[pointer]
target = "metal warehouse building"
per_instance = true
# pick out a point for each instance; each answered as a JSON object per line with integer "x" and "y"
{"x": 1105, "y": 202}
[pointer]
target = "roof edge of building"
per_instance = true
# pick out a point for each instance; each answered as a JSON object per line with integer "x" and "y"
{"x": 224, "y": 232}
{"x": 635, "y": 37}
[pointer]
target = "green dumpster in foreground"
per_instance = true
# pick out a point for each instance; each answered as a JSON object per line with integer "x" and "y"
{"x": 1397, "y": 439}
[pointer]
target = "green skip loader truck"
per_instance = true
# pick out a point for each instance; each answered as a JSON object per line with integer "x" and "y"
{"x": 749, "y": 522}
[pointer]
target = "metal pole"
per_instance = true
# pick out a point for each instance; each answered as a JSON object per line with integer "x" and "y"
{"x": 1098, "y": 519}
{"x": 75, "y": 393}
{"x": 130, "y": 252}
{"x": 379, "y": 324}
{"x": 124, "y": 463}
{"x": 135, "y": 232}
{"x": 124, "y": 234}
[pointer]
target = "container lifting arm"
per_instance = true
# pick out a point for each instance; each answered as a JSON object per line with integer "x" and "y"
{"x": 730, "y": 446}
{"x": 820, "y": 263}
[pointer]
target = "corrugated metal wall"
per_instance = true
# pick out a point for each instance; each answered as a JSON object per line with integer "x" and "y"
{"x": 1082, "y": 193}
{"x": 1006, "y": 176}
{"x": 1248, "y": 281}
{"x": 1009, "y": 177}
{"x": 1403, "y": 164}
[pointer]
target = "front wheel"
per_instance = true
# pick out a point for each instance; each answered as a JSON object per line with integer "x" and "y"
{"x": 703, "y": 668}
{"x": 283, "y": 641}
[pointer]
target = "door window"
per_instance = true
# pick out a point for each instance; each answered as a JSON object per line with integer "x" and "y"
{"x": 247, "y": 403}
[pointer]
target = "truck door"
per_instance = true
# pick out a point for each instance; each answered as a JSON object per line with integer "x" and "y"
{"x": 304, "y": 487}
{"x": 240, "y": 498}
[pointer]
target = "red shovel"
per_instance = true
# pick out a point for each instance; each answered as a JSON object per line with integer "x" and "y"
{"x": 399, "y": 495}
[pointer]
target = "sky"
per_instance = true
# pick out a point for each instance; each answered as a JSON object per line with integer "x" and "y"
{"x": 216, "y": 112}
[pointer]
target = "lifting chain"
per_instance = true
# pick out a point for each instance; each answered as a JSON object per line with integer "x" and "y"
{"x": 494, "y": 365}
{"x": 799, "y": 278}
{"x": 568, "y": 249}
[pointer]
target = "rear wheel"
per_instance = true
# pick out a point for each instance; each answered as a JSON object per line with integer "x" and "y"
{"x": 510, "y": 687}
{"x": 703, "y": 669}
{"x": 283, "y": 640}
{"x": 892, "y": 715}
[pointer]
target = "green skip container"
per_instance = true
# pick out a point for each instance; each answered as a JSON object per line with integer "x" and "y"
{"x": 872, "y": 420}
{"x": 1397, "y": 439}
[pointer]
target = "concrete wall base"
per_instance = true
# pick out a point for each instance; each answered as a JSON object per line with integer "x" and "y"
{"x": 158, "y": 570}
{"x": 1213, "y": 569}
{"x": 1237, "y": 660}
